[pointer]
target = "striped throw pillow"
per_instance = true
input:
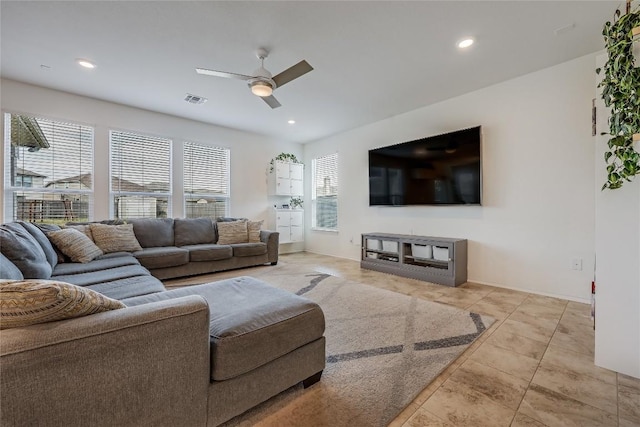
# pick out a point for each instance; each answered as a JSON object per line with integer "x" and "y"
{"x": 115, "y": 238}
{"x": 29, "y": 302}
{"x": 74, "y": 244}
{"x": 253, "y": 229}
{"x": 232, "y": 232}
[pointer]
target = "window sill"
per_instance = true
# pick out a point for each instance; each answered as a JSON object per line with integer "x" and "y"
{"x": 329, "y": 230}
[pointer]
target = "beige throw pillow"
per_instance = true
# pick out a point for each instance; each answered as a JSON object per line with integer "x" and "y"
{"x": 28, "y": 302}
{"x": 74, "y": 244}
{"x": 232, "y": 232}
{"x": 115, "y": 238}
{"x": 85, "y": 228}
{"x": 253, "y": 229}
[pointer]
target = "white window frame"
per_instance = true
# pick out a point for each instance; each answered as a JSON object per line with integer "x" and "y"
{"x": 113, "y": 194}
{"x": 9, "y": 190}
{"x": 187, "y": 195}
{"x": 314, "y": 194}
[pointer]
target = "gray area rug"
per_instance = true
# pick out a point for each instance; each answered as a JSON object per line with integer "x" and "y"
{"x": 383, "y": 349}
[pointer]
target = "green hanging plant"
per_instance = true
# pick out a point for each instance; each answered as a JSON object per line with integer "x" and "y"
{"x": 284, "y": 157}
{"x": 621, "y": 91}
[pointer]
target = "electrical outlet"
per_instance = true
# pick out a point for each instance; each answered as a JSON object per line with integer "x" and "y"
{"x": 576, "y": 264}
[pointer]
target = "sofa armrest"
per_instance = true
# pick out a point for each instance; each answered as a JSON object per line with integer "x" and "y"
{"x": 139, "y": 366}
{"x": 272, "y": 239}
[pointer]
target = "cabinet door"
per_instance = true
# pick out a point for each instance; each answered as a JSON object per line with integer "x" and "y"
{"x": 285, "y": 234}
{"x": 283, "y": 186}
{"x": 283, "y": 218}
{"x": 297, "y": 234}
{"x": 282, "y": 170}
{"x": 297, "y": 218}
{"x": 296, "y": 171}
{"x": 297, "y": 189}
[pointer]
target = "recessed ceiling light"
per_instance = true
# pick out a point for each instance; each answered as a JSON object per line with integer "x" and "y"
{"x": 85, "y": 63}
{"x": 465, "y": 43}
{"x": 291, "y": 122}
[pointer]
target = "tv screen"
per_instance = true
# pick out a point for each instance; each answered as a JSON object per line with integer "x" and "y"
{"x": 438, "y": 170}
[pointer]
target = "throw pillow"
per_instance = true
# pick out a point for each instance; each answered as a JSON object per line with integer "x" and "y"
{"x": 84, "y": 228}
{"x": 28, "y": 302}
{"x": 75, "y": 244}
{"x": 232, "y": 232}
{"x": 24, "y": 251}
{"x": 115, "y": 238}
{"x": 253, "y": 229}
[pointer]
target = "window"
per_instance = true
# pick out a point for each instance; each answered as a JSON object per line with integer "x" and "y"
{"x": 48, "y": 170}
{"x": 140, "y": 175}
{"x": 206, "y": 180}
{"x": 324, "y": 197}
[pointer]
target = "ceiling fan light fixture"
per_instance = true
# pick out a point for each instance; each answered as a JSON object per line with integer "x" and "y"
{"x": 261, "y": 89}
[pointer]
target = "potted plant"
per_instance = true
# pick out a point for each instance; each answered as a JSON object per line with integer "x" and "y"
{"x": 296, "y": 202}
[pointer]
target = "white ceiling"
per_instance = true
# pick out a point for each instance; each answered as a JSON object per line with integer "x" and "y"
{"x": 372, "y": 60}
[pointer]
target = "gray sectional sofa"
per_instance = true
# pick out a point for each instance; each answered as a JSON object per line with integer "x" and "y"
{"x": 193, "y": 356}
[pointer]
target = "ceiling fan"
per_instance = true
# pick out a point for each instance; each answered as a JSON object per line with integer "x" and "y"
{"x": 262, "y": 83}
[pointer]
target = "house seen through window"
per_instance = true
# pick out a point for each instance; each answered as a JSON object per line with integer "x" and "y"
{"x": 48, "y": 170}
{"x": 206, "y": 180}
{"x": 140, "y": 175}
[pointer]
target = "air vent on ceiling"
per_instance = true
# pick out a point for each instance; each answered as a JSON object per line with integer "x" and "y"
{"x": 195, "y": 99}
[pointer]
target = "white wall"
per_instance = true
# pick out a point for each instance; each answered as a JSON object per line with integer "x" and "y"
{"x": 617, "y": 266}
{"x": 538, "y": 179}
{"x": 250, "y": 153}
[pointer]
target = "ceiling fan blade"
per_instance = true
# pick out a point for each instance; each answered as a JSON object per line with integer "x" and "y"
{"x": 222, "y": 74}
{"x": 272, "y": 101}
{"x": 292, "y": 73}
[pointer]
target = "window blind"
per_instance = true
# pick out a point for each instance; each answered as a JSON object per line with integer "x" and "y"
{"x": 48, "y": 169}
{"x": 325, "y": 192}
{"x": 206, "y": 180}
{"x": 140, "y": 175}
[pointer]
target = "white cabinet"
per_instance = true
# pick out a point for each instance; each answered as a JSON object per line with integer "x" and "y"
{"x": 290, "y": 224}
{"x": 286, "y": 179}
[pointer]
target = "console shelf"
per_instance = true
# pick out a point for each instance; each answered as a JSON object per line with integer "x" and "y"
{"x": 434, "y": 259}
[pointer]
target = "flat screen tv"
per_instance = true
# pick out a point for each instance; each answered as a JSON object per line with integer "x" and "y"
{"x": 438, "y": 170}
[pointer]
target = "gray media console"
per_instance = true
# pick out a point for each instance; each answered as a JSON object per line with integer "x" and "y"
{"x": 433, "y": 259}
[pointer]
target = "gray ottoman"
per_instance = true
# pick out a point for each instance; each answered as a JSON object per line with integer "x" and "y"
{"x": 251, "y": 323}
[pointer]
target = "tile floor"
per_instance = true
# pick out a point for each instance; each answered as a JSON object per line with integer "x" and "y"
{"x": 533, "y": 367}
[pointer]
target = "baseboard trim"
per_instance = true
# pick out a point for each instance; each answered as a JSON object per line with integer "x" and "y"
{"x": 496, "y": 285}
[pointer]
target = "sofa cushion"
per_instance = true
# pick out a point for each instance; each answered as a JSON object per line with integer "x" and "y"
{"x": 75, "y": 244}
{"x": 115, "y": 238}
{"x": 101, "y": 276}
{"x": 249, "y": 249}
{"x": 28, "y": 302}
{"x": 253, "y": 231}
{"x": 194, "y": 231}
{"x": 8, "y": 270}
{"x": 45, "y": 243}
{"x": 169, "y": 256}
{"x": 129, "y": 287}
{"x": 97, "y": 264}
{"x": 251, "y": 322}
{"x": 232, "y": 232}
{"x": 153, "y": 232}
{"x": 23, "y": 250}
{"x": 210, "y": 252}
{"x": 46, "y": 228}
